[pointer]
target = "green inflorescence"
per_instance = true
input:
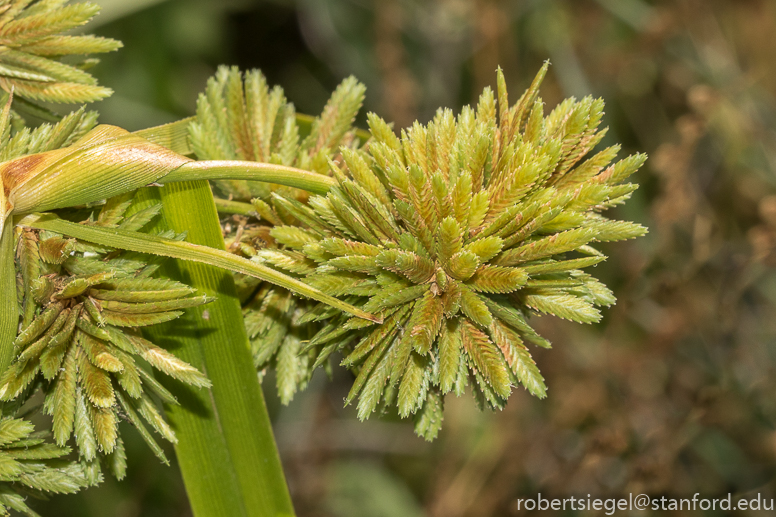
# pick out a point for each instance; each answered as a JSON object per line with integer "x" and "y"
{"x": 82, "y": 305}
{"x": 454, "y": 233}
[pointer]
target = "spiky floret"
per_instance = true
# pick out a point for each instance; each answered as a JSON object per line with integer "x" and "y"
{"x": 240, "y": 118}
{"x": 31, "y": 45}
{"x": 82, "y": 306}
{"x": 455, "y": 233}
{"x": 29, "y": 465}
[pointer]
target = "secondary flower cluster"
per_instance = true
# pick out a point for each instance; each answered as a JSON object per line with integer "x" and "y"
{"x": 82, "y": 305}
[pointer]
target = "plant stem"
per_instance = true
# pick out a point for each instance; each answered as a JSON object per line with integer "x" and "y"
{"x": 226, "y": 449}
{"x": 226, "y": 206}
{"x": 238, "y": 170}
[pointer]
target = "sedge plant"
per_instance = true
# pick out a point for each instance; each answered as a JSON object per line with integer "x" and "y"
{"x": 417, "y": 259}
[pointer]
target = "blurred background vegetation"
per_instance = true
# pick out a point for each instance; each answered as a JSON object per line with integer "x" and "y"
{"x": 673, "y": 392}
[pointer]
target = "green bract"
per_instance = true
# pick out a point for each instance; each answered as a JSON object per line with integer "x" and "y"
{"x": 454, "y": 234}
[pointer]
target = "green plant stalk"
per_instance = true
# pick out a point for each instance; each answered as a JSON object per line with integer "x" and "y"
{"x": 226, "y": 206}
{"x": 9, "y": 310}
{"x": 225, "y": 448}
{"x": 241, "y": 170}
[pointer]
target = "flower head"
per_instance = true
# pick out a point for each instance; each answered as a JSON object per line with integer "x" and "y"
{"x": 454, "y": 233}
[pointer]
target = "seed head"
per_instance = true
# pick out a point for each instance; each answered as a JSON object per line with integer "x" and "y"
{"x": 454, "y": 233}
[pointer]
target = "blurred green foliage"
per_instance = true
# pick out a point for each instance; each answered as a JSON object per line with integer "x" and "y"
{"x": 672, "y": 393}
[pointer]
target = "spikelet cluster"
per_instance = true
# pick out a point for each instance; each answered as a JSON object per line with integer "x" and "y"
{"x": 31, "y": 48}
{"x": 241, "y": 118}
{"x": 31, "y": 466}
{"x": 82, "y": 306}
{"x": 455, "y": 233}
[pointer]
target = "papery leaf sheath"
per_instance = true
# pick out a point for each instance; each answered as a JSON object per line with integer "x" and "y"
{"x": 106, "y": 162}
